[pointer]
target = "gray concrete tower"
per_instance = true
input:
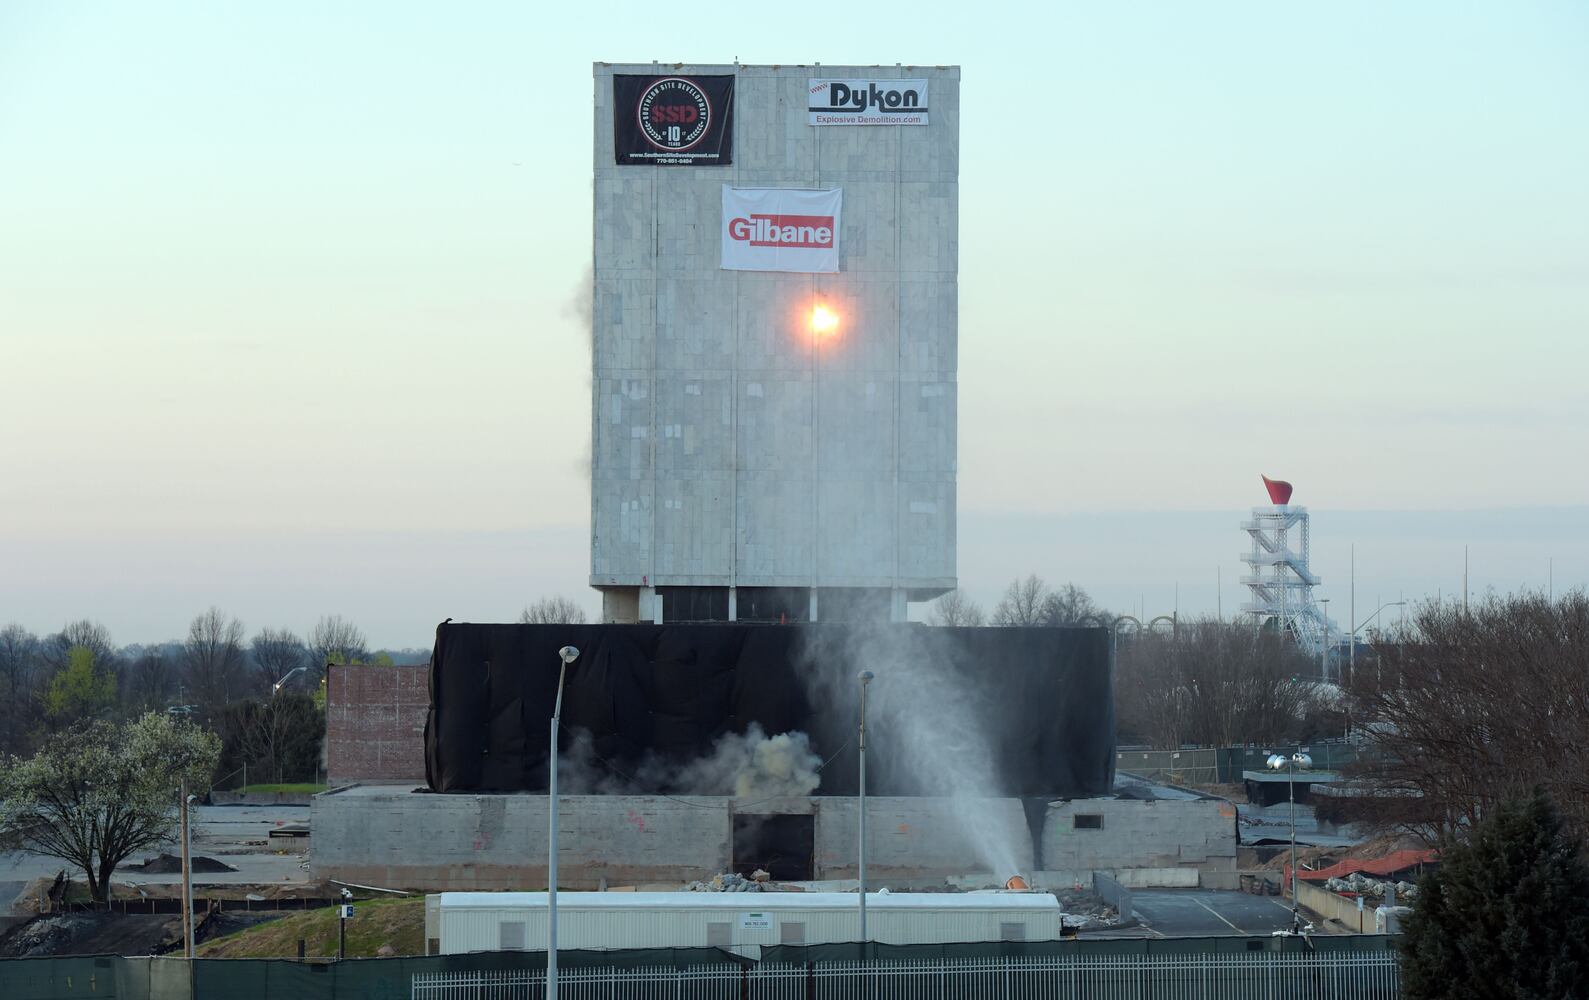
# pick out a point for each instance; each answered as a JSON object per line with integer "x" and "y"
{"x": 747, "y": 463}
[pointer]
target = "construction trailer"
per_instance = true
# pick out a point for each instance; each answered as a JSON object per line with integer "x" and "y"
{"x": 462, "y": 922}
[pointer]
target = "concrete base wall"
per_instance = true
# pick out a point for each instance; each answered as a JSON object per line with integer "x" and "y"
{"x": 1332, "y": 906}
{"x": 402, "y": 839}
{"x": 922, "y": 837}
{"x": 1161, "y": 833}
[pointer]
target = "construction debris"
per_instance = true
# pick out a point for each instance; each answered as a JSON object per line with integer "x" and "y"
{"x": 1359, "y": 884}
{"x": 727, "y": 882}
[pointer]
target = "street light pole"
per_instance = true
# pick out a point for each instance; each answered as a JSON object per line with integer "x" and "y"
{"x": 568, "y": 654}
{"x": 1364, "y": 622}
{"x": 1291, "y": 763}
{"x": 865, "y": 678}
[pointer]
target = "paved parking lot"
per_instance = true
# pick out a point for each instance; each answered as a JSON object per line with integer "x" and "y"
{"x": 1167, "y": 913}
{"x": 1208, "y": 913}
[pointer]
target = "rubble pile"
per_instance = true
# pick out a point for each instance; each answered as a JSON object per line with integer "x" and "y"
{"x": 730, "y": 882}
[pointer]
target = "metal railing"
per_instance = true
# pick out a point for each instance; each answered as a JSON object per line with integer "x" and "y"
{"x": 1210, "y": 976}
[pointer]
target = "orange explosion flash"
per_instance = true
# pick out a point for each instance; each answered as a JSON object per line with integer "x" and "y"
{"x": 824, "y": 321}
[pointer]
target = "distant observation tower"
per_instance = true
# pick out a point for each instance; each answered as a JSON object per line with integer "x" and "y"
{"x": 1278, "y": 576}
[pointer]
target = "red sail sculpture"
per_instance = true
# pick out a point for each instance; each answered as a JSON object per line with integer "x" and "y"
{"x": 1279, "y": 491}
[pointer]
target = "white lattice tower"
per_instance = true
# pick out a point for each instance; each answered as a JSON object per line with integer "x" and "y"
{"x": 1278, "y": 578}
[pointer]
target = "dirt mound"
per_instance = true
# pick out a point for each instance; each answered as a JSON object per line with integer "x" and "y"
{"x": 170, "y": 864}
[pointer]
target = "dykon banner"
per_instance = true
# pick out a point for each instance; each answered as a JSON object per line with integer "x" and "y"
{"x": 866, "y": 102}
{"x": 781, "y": 229}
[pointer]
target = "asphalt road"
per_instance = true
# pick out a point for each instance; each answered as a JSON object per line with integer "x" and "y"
{"x": 1208, "y": 913}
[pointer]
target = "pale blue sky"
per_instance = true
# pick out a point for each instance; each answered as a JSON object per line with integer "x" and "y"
{"x": 286, "y": 292}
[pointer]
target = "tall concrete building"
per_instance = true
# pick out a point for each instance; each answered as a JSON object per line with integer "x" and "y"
{"x": 775, "y": 326}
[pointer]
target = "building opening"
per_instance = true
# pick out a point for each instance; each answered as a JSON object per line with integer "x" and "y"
{"x": 782, "y": 846}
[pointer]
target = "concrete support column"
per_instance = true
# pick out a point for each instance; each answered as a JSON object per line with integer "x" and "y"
{"x": 620, "y": 605}
{"x": 812, "y": 614}
{"x": 733, "y": 604}
{"x": 898, "y": 607}
{"x": 650, "y": 605}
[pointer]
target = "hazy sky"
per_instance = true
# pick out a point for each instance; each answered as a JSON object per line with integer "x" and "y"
{"x": 288, "y": 322}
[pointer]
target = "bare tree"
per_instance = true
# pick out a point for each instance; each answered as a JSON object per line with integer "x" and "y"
{"x": 19, "y": 668}
{"x": 1022, "y": 603}
{"x": 1211, "y": 683}
{"x": 89, "y": 635}
{"x": 557, "y": 610}
{"x": 150, "y": 680}
{"x": 280, "y": 737}
{"x": 1070, "y": 606}
{"x": 1473, "y": 707}
{"x": 276, "y": 653}
{"x": 334, "y": 639}
{"x": 955, "y": 609}
{"x": 213, "y": 658}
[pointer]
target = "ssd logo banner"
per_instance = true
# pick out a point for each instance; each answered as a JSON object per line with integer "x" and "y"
{"x": 779, "y": 229}
{"x": 673, "y": 120}
{"x": 867, "y": 102}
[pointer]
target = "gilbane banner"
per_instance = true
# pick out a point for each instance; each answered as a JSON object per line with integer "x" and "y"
{"x": 867, "y": 102}
{"x": 781, "y": 229}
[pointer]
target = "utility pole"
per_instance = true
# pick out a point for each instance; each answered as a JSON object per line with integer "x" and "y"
{"x": 1324, "y": 647}
{"x": 187, "y": 874}
{"x": 1351, "y": 619}
{"x": 865, "y": 677}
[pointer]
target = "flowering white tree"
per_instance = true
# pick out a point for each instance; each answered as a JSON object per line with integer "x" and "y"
{"x": 97, "y": 792}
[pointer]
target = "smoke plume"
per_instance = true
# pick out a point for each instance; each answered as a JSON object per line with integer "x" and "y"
{"x": 930, "y": 728}
{"x": 748, "y": 765}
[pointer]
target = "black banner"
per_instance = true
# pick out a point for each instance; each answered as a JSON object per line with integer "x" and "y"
{"x": 673, "y": 120}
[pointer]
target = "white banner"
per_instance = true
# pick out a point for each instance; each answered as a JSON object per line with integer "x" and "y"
{"x": 781, "y": 229}
{"x": 867, "y": 102}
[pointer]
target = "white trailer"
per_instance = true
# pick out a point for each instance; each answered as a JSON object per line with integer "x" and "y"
{"x": 459, "y": 922}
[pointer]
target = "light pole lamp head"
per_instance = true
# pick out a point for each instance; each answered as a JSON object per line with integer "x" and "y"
{"x": 568, "y": 654}
{"x": 865, "y": 677}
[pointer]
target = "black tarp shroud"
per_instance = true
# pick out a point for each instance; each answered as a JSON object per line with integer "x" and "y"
{"x": 1043, "y": 696}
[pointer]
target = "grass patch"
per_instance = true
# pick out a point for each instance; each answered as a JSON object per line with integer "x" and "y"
{"x": 303, "y": 787}
{"x": 397, "y": 922}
